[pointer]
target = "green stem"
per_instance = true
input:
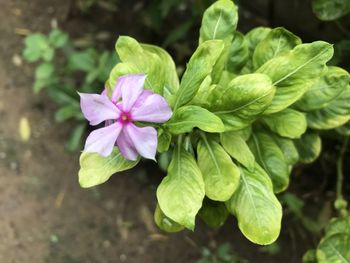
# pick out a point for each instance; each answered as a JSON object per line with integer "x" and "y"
{"x": 340, "y": 203}
{"x": 340, "y": 172}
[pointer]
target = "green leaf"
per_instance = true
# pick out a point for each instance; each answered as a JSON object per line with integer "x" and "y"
{"x": 329, "y": 10}
{"x": 295, "y": 72}
{"x": 35, "y": 45}
{"x": 147, "y": 59}
{"x": 48, "y": 54}
{"x": 334, "y": 114}
{"x": 164, "y": 140}
{"x": 58, "y": 38}
{"x": 68, "y": 111}
{"x": 44, "y": 71}
{"x": 334, "y": 249}
{"x": 84, "y": 60}
{"x": 219, "y": 21}
{"x": 287, "y": 123}
{"x": 271, "y": 158}
{"x": 288, "y": 148}
{"x": 235, "y": 145}
{"x": 75, "y": 139}
{"x": 309, "y": 147}
{"x": 329, "y": 86}
{"x": 186, "y": 118}
{"x": 213, "y": 213}
{"x": 96, "y": 169}
{"x": 276, "y": 43}
{"x": 220, "y": 174}
{"x": 344, "y": 129}
{"x": 181, "y": 192}
{"x": 338, "y": 226}
{"x": 256, "y": 207}
{"x": 253, "y": 38}
{"x": 171, "y": 80}
{"x": 240, "y": 102}
{"x": 238, "y": 53}
{"x": 165, "y": 223}
{"x": 43, "y": 76}
{"x": 198, "y": 68}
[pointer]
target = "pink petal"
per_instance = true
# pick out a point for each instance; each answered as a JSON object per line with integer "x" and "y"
{"x": 102, "y": 140}
{"x": 117, "y": 92}
{"x": 131, "y": 87}
{"x": 97, "y": 108}
{"x": 144, "y": 140}
{"x": 126, "y": 146}
{"x": 154, "y": 108}
{"x": 144, "y": 95}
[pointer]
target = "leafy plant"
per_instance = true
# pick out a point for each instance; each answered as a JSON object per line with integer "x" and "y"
{"x": 329, "y": 10}
{"x": 246, "y": 109}
{"x": 222, "y": 254}
{"x": 63, "y": 71}
{"x": 334, "y": 246}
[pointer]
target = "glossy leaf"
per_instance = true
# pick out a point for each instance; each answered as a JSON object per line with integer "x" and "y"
{"x": 338, "y": 226}
{"x": 253, "y": 38}
{"x": 334, "y": 114}
{"x": 220, "y": 174}
{"x": 256, "y": 207}
{"x": 165, "y": 223}
{"x": 295, "y": 72}
{"x": 287, "y": 123}
{"x": 238, "y": 53}
{"x": 334, "y": 249}
{"x": 271, "y": 158}
{"x": 181, "y": 192}
{"x": 219, "y": 21}
{"x": 164, "y": 140}
{"x": 243, "y": 100}
{"x": 96, "y": 169}
{"x": 277, "y": 42}
{"x": 186, "y": 118}
{"x": 235, "y": 145}
{"x": 309, "y": 147}
{"x": 213, "y": 213}
{"x": 146, "y": 59}
{"x": 288, "y": 148}
{"x": 329, "y": 86}
{"x": 198, "y": 68}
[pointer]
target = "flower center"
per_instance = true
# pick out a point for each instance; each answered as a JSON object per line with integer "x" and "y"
{"x": 125, "y": 118}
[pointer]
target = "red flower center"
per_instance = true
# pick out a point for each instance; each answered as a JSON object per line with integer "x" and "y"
{"x": 125, "y": 118}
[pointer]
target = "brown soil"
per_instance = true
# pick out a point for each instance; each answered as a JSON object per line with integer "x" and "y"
{"x": 44, "y": 215}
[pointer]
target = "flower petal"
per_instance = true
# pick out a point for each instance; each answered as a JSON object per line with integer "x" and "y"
{"x": 144, "y": 140}
{"x": 117, "y": 92}
{"x": 131, "y": 88}
{"x": 154, "y": 108}
{"x": 126, "y": 146}
{"x": 97, "y": 108}
{"x": 102, "y": 140}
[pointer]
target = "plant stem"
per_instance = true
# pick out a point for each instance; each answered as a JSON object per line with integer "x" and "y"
{"x": 340, "y": 172}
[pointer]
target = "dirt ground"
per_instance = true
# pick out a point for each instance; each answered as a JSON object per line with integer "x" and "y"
{"x": 45, "y": 216}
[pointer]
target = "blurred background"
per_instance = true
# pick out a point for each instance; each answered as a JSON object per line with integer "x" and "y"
{"x": 51, "y": 48}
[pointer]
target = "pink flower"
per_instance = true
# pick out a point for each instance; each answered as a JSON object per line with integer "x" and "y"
{"x": 129, "y": 103}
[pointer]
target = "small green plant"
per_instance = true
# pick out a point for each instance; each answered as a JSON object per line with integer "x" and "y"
{"x": 222, "y": 254}
{"x": 63, "y": 71}
{"x": 335, "y": 244}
